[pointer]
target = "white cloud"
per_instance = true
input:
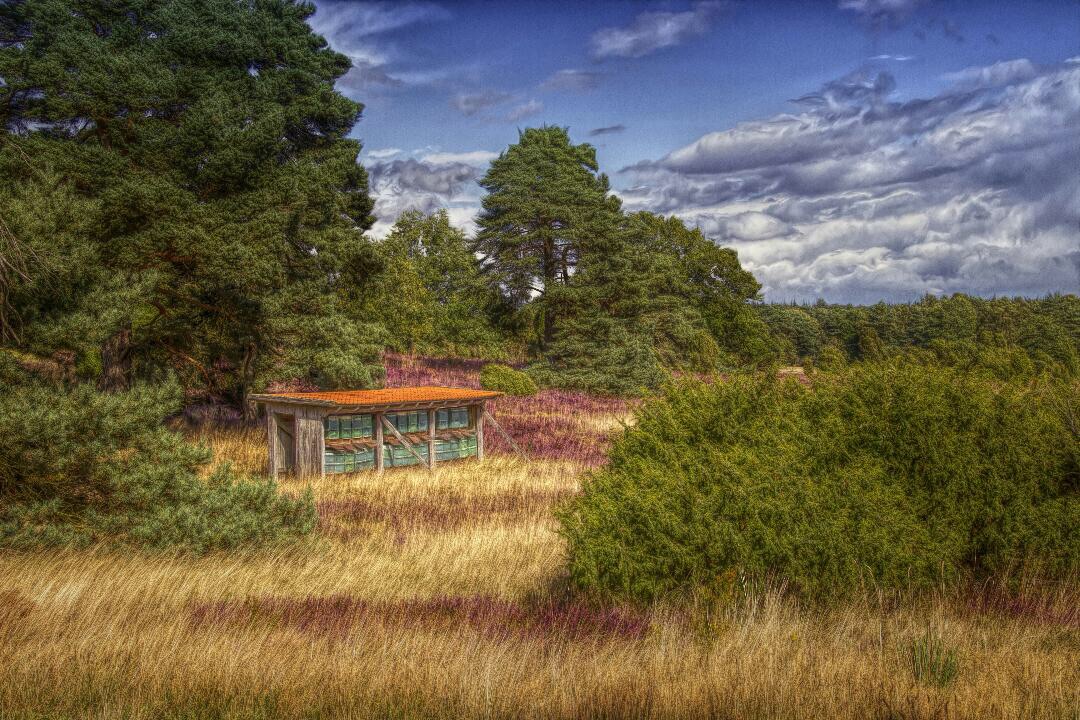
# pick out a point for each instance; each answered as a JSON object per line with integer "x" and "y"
{"x": 432, "y": 182}
{"x": 571, "y": 80}
{"x": 383, "y": 153}
{"x": 473, "y": 157}
{"x": 525, "y": 110}
{"x": 857, "y": 197}
{"x": 353, "y": 28}
{"x": 471, "y": 103}
{"x": 1006, "y": 72}
{"x": 652, "y": 31}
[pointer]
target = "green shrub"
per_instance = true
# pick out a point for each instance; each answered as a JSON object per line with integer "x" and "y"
{"x": 78, "y": 466}
{"x": 886, "y": 474}
{"x": 618, "y": 364}
{"x": 506, "y": 379}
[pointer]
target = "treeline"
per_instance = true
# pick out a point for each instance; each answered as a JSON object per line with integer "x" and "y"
{"x": 1007, "y": 335}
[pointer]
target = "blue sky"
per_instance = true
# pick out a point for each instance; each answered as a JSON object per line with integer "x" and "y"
{"x": 854, "y": 150}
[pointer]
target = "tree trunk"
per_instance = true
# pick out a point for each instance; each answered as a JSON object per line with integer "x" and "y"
{"x": 247, "y": 378}
{"x": 549, "y": 282}
{"x": 116, "y": 362}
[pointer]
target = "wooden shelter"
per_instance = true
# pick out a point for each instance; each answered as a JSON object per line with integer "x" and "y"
{"x": 316, "y": 433}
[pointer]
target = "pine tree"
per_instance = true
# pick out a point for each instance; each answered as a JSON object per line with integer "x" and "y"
{"x": 223, "y": 207}
{"x": 547, "y": 205}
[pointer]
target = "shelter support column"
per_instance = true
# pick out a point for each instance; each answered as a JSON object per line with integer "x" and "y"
{"x": 271, "y": 439}
{"x": 379, "y": 461}
{"x": 478, "y": 411}
{"x": 431, "y": 439}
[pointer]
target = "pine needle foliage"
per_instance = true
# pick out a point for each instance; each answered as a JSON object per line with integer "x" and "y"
{"x": 79, "y": 466}
{"x": 892, "y": 475}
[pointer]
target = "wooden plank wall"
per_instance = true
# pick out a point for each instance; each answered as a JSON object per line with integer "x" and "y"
{"x": 309, "y": 441}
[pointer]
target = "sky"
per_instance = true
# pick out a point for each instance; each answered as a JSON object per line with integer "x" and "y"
{"x": 849, "y": 150}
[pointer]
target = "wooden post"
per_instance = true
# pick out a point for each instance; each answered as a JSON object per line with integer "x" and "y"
{"x": 310, "y": 442}
{"x": 379, "y": 462}
{"x": 271, "y": 438}
{"x": 478, "y": 411}
{"x": 431, "y": 439}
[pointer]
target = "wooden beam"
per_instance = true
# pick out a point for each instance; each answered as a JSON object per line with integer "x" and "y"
{"x": 431, "y": 439}
{"x": 506, "y": 436}
{"x": 271, "y": 438}
{"x": 401, "y": 439}
{"x": 480, "y": 411}
{"x": 380, "y": 462}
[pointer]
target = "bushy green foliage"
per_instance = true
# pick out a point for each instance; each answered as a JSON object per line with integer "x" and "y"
{"x": 890, "y": 474}
{"x": 430, "y": 292}
{"x": 182, "y": 192}
{"x": 79, "y": 466}
{"x": 506, "y": 379}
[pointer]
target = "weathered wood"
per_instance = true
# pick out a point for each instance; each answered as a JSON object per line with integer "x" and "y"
{"x": 310, "y": 458}
{"x": 402, "y": 439}
{"x": 380, "y": 462}
{"x": 506, "y": 436}
{"x": 286, "y": 443}
{"x": 431, "y": 439}
{"x": 271, "y": 439}
{"x": 479, "y": 411}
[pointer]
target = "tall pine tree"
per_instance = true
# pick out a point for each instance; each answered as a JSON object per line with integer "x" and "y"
{"x": 547, "y": 206}
{"x": 221, "y": 207}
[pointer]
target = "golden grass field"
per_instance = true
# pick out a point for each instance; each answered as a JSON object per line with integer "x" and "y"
{"x": 441, "y": 595}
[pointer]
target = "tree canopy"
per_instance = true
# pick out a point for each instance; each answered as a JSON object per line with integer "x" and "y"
{"x": 206, "y": 208}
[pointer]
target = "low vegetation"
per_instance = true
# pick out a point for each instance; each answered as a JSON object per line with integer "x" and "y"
{"x": 81, "y": 467}
{"x": 506, "y": 379}
{"x": 446, "y": 595}
{"x": 443, "y": 596}
{"x": 891, "y": 476}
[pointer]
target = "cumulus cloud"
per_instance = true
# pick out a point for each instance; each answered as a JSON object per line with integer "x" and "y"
{"x": 607, "y": 130}
{"x": 652, "y": 31}
{"x": 1000, "y": 73}
{"x": 571, "y": 80}
{"x": 437, "y": 180}
{"x": 860, "y": 197}
{"x": 524, "y": 110}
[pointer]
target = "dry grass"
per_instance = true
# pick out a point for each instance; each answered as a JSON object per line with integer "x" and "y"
{"x": 439, "y": 595}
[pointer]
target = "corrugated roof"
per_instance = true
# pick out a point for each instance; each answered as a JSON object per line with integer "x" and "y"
{"x": 385, "y": 396}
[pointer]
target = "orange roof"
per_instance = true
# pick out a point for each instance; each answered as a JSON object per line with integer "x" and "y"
{"x": 385, "y": 396}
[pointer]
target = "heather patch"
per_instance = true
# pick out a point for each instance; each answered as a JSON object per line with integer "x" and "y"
{"x": 550, "y": 425}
